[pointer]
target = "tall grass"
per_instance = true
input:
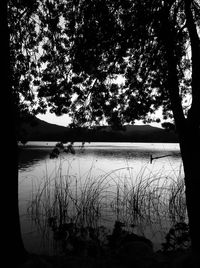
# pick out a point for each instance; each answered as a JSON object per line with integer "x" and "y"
{"x": 145, "y": 199}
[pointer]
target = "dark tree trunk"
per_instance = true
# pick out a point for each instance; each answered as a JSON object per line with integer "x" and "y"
{"x": 190, "y": 150}
{"x": 190, "y": 138}
{"x": 187, "y": 128}
{"x": 13, "y": 246}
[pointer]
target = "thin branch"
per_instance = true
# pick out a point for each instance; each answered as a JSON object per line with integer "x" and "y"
{"x": 193, "y": 114}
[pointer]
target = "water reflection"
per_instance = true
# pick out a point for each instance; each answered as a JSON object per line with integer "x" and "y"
{"x": 28, "y": 157}
{"x": 35, "y": 165}
{"x": 36, "y": 152}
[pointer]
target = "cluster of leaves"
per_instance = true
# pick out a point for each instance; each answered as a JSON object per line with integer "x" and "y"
{"x": 59, "y": 147}
{"x": 71, "y": 53}
{"x": 93, "y": 242}
{"x": 178, "y": 237}
{"x": 77, "y": 240}
{"x": 23, "y": 53}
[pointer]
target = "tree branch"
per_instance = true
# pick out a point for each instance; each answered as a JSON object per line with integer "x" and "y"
{"x": 172, "y": 80}
{"x": 193, "y": 115}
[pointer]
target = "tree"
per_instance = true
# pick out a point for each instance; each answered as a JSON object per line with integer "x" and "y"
{"x": 13, "y": 248}
{"x": 23, "y": 50}
{"x": 153, "y": 45}
{"x": 146, "y": 42}
{"x": 17, "y": 41}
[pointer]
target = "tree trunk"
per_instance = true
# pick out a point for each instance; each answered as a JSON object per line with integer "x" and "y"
{"x": 190, "y": 140}
{"x": 190, "y": 150}
{"x": 13, "y": 245}
{"x": 187, "y": 128}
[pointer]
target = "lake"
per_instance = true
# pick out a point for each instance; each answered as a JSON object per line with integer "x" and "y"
{"x": 110, "y": 165}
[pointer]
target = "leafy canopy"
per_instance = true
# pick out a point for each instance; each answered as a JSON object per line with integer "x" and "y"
{"x": 67, "y": 55}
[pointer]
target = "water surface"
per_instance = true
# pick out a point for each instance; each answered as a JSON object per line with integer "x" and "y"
{"x": 94, "y": 160}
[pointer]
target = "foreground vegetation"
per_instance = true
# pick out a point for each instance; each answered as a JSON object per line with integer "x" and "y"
{"x": 113, "y": 214}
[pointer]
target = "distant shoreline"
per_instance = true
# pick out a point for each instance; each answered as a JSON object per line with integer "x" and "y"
{"x": 45, "y": 132}
{"x": 51, "y": 144}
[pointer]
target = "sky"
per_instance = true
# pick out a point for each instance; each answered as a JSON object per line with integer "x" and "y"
{"x": 64, "y": 120}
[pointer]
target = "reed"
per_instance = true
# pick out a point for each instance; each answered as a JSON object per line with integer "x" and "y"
{"x": 138, "y": 200}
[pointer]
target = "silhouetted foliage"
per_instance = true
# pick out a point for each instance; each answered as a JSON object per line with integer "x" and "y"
{"x": 23, "y": 49}
{"x": 178, "y": 237}
{"x": 71, "y": 52}
{"x": 74, "y": 51}
{"x": 86, "y": 241}
{"x": 168, "y": 126}
{"x": 59, "y": 147}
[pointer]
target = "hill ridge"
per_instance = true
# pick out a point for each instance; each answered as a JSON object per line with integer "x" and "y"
{"x": 44, "y": 131}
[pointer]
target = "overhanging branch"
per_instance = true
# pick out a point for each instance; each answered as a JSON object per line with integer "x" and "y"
{"x": 193, "y": 115}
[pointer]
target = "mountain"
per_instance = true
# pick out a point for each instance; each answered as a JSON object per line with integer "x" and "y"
{"x": 43, "y": 131}
{"x": 39, "y": 130}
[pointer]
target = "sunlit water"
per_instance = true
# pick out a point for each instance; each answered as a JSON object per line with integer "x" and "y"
{"x": 93, "y": 161}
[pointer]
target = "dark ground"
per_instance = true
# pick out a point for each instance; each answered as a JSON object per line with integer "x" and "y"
{"x": 122, "y": 249}
{"x": 180, "y": 259}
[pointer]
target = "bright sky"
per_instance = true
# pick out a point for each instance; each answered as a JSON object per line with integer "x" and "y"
{"x": 64, "y": 120}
